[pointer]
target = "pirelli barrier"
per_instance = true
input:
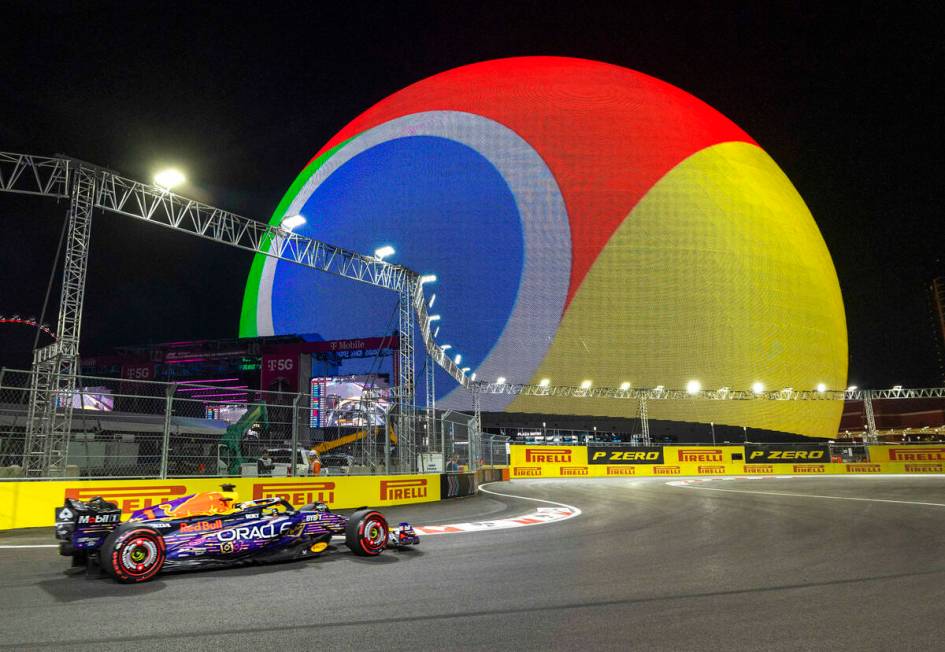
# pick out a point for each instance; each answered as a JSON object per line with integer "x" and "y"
{"x": 31, "y": 504}
{"x": 749, "y": 459}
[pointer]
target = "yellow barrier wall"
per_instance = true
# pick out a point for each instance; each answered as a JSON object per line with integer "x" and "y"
{"x": 31, "y": 504}
{"x": 572, "y": 461}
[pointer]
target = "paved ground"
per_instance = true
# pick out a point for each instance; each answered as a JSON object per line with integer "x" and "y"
{"x": 781, "y": 564}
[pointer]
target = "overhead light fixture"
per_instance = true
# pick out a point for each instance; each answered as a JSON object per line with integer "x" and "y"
{"x": 169, "y": 178}
{"x": 464, "y": 369}
{"x": 821, "y": 388}
{"x": 500, "y": 380}
{"x": 432, "y": 300}
{"x": 383, "y": 252}
{"x": 585, "y": 384}
{"x": 436, "y": 332}
{"x": 434, "y": 318}
{"x": 757, "y": 388}
{"x": 693, "y": 387}
{"x": 544, "y": 382}
{"x": 428, "y": 278}
{"x": 473, "y": 377}
{"x": 292, "y": 222}
{"x": 624, "y": 386}
{"x": 459, "y": 358}
{"x": 852, "y": 388}
{"x": 446, "y": 347}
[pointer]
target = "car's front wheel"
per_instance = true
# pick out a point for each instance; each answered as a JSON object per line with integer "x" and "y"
{"x": 133, "y": 555}
{"x": 366, "y": 533}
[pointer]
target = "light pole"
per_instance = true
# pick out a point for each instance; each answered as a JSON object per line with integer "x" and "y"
{"x": 712, "y": 423}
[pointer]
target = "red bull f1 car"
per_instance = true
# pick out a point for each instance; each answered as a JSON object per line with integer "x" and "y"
{"x": 212, "y": 529}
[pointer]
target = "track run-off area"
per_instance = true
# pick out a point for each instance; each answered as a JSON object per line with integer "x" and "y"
{"x": 637, "y": 563}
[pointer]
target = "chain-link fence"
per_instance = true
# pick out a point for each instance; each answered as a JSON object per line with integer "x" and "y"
{"x": 144, "y": 429}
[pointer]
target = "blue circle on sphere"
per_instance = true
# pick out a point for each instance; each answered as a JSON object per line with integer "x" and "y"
{"x": 446, "y": 210}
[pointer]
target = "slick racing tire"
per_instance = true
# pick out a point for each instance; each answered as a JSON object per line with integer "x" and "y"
{"x": 366, "y": 533}
{"x": 133, "y": 555}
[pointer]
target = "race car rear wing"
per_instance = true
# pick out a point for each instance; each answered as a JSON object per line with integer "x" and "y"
{"x": 96, "y": 515}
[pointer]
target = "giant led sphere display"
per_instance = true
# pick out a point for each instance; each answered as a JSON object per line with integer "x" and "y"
{"x": 585, "y": 222}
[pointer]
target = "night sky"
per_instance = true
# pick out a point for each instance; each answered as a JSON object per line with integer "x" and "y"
{"x": 848, "y": 103}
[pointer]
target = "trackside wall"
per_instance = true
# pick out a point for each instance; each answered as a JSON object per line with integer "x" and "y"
{"x": 32, "y": 504}
{"x": 649, "y": 461}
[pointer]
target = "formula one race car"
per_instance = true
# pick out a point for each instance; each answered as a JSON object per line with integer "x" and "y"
{"x": 212, "y": 529}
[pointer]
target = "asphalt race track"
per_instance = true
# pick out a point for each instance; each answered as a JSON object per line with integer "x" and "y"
{"x": 774, "y": 564}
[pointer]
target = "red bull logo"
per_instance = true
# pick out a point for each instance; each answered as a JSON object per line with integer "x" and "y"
{"x": 129, "y": 499}
{"x": 296, "y": 494}
{"x": 206, "y": 503}
{"x": 201, "y": 526}
{"x": 916, "y": 454}
{"x": 548, "y": 455}
{"x": 403, "y": 489}
{"x": 700, "y": 455}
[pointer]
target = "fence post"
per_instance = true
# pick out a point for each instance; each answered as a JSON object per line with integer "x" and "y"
{"x": 386, "y": 448}
{"x": 166, "y": 438}
{"x": 295, "y": 434}
{"x": 443, "y": 440}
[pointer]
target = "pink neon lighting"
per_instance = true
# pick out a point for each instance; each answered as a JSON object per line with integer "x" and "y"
{"x": 195, "y": 388}
{"x": 207, "y": 380}
{"x": 240, "y": 394}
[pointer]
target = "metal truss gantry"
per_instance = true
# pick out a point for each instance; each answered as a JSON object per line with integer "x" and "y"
{"x": 87, "y": 187}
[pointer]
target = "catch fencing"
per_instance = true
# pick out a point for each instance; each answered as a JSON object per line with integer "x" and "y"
{"x": 125, "y": 428}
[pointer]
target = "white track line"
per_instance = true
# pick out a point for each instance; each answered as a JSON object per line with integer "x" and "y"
{"x": 542, "y": 516}
{"x": 784, "y": 493}
{"x": 31, "y": 545}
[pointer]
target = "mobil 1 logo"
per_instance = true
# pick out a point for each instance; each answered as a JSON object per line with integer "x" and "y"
{"x": 597, "y": 454}
{"x": 786, "y": 454}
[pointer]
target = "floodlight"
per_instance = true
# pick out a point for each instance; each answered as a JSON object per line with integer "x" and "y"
{"x": 292, "y": 222}
{"x": 169, "y": 178}
{"x": 383, "y": 252}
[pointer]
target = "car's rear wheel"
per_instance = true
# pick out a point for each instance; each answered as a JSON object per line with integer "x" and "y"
{"x": 366, "y": 533}
{"x": 133, "y": 555}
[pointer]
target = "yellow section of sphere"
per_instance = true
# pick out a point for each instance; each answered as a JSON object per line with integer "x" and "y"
{"x": 720, "y": 275}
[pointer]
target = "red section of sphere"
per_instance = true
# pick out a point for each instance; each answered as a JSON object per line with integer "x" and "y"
{"x": 606, "y": 133}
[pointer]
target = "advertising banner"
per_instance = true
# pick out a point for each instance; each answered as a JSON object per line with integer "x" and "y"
{"x": 31, "y": 504}
{"x": 908, "y": 454}
{"x": 787, "y": 454}
{"x": 598, "y": 454}
{"x": 547, "y": 461}
{"x": 280, "y": 371}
